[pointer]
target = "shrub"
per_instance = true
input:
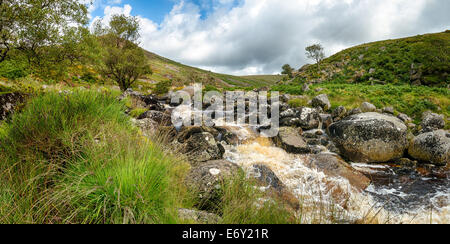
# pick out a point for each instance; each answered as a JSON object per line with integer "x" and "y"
{"x": 162, "y": 87}
{"x": 13, "y": 69}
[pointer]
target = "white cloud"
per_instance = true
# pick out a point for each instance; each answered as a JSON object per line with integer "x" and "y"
{"x": 259, "y": 36}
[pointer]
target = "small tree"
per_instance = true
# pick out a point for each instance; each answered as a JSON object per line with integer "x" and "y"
{"x": 287, "y": 70}
{"x": 123, "y": 61}
{"x": 316, "y": 53}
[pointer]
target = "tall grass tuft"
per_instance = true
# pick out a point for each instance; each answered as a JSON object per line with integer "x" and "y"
{"x": 77, "y": 159}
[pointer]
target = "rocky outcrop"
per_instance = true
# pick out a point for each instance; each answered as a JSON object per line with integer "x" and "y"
{"x": 432, "y": 121}
{"x": 332, "y": 165}
{"x": 370, "y": 137}
{"x": 9, "y": 103}
{"x": 322, "y": 102}
{"x": 207, "y": 180}
{"x": 431, "y": 147}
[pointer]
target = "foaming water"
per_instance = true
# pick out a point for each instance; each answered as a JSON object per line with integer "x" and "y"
{"x": 327, "y": 199}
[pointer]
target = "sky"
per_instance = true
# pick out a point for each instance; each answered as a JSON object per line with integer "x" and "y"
{"x": 246, "y": 37}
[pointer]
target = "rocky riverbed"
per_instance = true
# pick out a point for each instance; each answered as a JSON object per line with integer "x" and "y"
{"x": 364, "y": 163}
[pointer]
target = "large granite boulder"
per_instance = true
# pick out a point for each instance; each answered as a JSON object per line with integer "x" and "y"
{"x": 370, "y": 137}
{"x": 431, "y": 147}
{"x": 207, "y": 179}
{"x": 432, "y": 121}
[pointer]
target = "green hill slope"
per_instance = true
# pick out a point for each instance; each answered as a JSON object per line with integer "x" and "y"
{"x": 418, "y": 60}
{"x": 180, "y": 75}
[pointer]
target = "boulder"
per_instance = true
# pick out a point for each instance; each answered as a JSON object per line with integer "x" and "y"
{"x": 272, "y": 184}
{"x": 432, "y": 121}
{"x": 157, "y": 116}
{"x": 304, "y": 117}
{"x": 370, "y": 137}
{"x": 431, "y": 147}
{"x": 207, "y": 180}
{"x": 289, "y": 139}
{"x": 339, "y": 113}
{"x": 333, "y": 166}
{"x": 368, "y": 107}
{"x": 322, "y": 102}
{"x": 147, "y": 126}
{"x": 201, "y": 147}
{"x": 9, "y": 103}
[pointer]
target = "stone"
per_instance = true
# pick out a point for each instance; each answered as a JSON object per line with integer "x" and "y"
{"x": 333, "y": 166}
{"x": 9, "y": 102}
{"x": 207, "y": 179}
{"x": 432, "y": 121}
{"x": 339, "y": 113}
{"x": 321, "y": 101}
{"x": 201, "y": 147}
{"x": 147, "y": 126}
{"x": 368, "y": 107}
{"x": 354, "y": 111}
{"x": 431, "y": 147}
{"x": 370, "y": 137}
{"x": 272, "y": 184}
{"x": 290, "y": 140}
{"x": 304, "y": 117}
{"x": 198, "y": 217}
{"x": 405, "y": 118}
{"x": 389, "y": 110}
{"x": 157, "y": 116}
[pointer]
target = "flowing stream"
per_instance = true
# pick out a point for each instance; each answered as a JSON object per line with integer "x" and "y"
{"x": 391, "y": 197}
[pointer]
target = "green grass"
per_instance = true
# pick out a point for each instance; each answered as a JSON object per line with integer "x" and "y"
{"x": 411, "y": 100}
{"x": 76, "y": 158}
{"x": 391, "y": 61}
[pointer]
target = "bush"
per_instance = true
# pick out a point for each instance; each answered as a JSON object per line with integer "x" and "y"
{"x": 162, "y": 87}
{"x": 13, "y": 69}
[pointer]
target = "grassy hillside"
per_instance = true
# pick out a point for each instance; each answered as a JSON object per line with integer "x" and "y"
{"x": 180, "y": 75}
{"x": 418, "y": 60}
